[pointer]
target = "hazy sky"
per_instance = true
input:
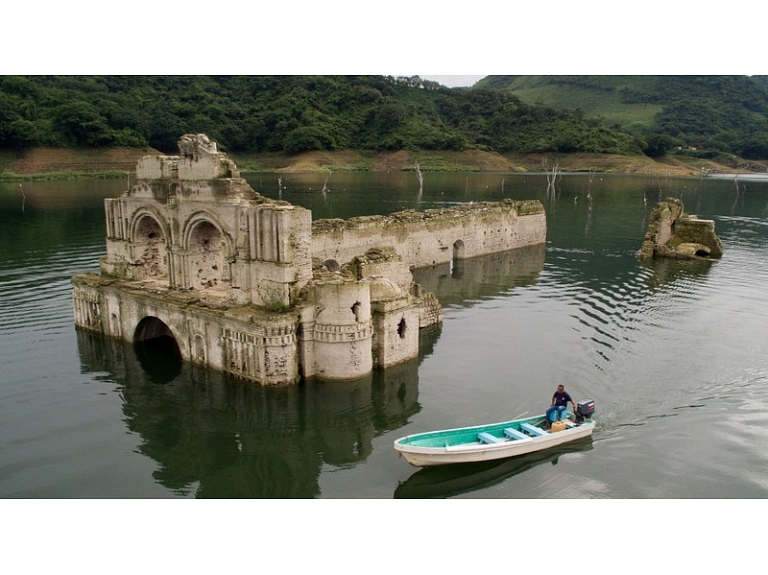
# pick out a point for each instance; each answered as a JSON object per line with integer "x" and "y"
{"x": 453, "y": 81}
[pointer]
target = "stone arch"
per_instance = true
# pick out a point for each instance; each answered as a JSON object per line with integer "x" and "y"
{"x": 332, "y": 265}
{"x": 115, "y": 329}
{"x": 459, "y": 250}
{"x": 208, "y": 252}
{"x": 157, "y": 349}
{"x": 199, "y": 353}
{"x": 151, "y": 327}
{"x": 150, "y": 244}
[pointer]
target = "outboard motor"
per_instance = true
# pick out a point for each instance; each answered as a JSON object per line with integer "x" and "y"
{"x": 584, "y": 410}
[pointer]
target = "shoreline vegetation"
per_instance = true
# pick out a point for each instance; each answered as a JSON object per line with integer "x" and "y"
{"x": 69, "y": 163}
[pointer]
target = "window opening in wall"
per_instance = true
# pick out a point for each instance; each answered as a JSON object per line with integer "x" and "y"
{"x": 356, "y": 310}
{"x": 458, "y": 251}
{"x": 332, "y": 265}
{"x": 401, "y": 328}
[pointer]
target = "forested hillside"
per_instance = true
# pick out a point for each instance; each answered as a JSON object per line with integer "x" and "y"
{"x": 290, "y": 114}
{"x": 704, "y": 115}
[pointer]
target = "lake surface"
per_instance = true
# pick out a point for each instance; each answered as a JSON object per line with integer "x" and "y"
{"x": 674, "y": 353}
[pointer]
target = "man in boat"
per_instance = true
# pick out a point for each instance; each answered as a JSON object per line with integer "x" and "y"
{"x": 559, "y": 404}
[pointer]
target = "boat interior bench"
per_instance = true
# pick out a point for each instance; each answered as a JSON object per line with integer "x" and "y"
{"x": 485, "y": 437}
{"x": 510, "y": 433}
{"x": 533, "y": 430}
{"x": 515, "y": 434}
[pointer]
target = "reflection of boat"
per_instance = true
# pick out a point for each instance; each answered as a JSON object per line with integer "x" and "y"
{"x": 496, "y": 440}
{"x": 450, "y": 480}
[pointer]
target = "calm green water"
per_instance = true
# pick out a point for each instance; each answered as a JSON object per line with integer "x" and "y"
{"x": 674, "y": 353}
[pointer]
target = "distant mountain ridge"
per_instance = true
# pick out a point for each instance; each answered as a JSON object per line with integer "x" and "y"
{"x": 721, "y": 118}
{"x": 716, "y": 113}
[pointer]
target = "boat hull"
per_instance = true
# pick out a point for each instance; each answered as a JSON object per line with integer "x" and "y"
{"x": 476, "y": 451}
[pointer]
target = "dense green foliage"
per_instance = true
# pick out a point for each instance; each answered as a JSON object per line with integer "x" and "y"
{"x": 701, "y": 115}
{"x": 289, "y": 114}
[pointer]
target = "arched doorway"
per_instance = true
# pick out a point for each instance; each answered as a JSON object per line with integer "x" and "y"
{"x": 149, "y": 242}
{"x": 206, "y": 256}
{"x": 157, "y": 350}
{"x": 458, "y": 256}
{"x": 458, "y": 250}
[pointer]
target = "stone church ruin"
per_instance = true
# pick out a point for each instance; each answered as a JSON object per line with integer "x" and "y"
{"x": 253, "y": 287}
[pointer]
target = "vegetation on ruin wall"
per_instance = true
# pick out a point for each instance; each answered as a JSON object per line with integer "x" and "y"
{"x": 289, "y": 114}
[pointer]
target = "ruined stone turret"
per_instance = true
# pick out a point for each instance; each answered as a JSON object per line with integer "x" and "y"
{"x": 674, "y": 234}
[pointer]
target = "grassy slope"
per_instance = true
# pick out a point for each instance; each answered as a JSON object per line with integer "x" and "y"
{"x": 597, "y": 96}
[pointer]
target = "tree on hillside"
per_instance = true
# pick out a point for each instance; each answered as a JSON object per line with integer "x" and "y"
{"x": 301, "y": 113}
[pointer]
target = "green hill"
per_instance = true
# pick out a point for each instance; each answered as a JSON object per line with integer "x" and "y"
{"x": 709, "y": 117}
{"x": 703, "y": 114}
{"x": 599, "y": 97}
{"x": 289, "y": 114}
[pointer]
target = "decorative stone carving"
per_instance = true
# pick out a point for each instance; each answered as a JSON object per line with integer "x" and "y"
{"x": 191, "y": 146}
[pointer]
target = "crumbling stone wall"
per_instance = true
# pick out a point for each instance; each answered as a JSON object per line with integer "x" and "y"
{"x": 435, "y": 236}
{"x": 672, "y": 233}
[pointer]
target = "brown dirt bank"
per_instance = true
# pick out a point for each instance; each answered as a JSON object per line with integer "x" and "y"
{"x": 60, "y": 160}
{"x": 56, "y": 160}
{"x": 475, "y": 160}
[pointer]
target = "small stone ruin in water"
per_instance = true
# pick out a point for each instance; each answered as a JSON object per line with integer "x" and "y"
{"x": 674, "y": 234}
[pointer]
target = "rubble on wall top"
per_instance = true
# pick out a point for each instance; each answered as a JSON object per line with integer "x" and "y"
{"x": 522, "y": 207}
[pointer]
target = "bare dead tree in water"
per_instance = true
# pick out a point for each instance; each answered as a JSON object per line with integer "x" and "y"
{"x": 325, "y": 183}
{"x": 553, "y": 175}
{"x": 739, "y": 190}
{"x": 420, "y": 176}
{"x": 590, "y": 179}
{"x": 589, "y": 188}
{"x": 23, "y": 198}
{"x": 662, "y": 185}
{"x": 736, "y": 183}
{"x": 279, "y": 186}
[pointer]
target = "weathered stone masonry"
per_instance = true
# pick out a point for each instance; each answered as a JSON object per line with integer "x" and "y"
{"x": 249, "y": 286}
{"x": 672, "y": 233}
{"x": 435, "y": 236}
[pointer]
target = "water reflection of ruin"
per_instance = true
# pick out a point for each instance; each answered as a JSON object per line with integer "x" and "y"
{"x": 213, "y": 436}
{"x": 664, "y": 271}
{"x": 468, "y": 280}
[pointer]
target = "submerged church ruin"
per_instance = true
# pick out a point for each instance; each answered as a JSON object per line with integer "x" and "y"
{"x": 253, "y": 287}
{"x": 672, "y": 233}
